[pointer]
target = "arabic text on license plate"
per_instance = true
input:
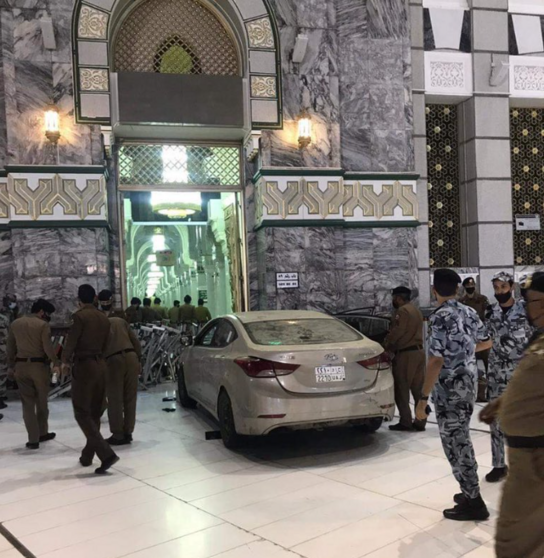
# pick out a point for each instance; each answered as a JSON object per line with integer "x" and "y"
{"x": 326, "y": 374}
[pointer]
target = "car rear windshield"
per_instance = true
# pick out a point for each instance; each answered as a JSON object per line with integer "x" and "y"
{"x": 301, "y": 332}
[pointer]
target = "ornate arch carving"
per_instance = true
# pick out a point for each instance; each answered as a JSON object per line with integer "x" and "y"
{"x": 94, "y": 26}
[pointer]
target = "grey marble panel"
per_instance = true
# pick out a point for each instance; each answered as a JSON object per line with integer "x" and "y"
{"x": 387, "y": 19}
{"x": 285, "y": 12}
{"x": 324, "y": 289}
{"x": 42, "y": 264}
{"x": 359, "y": 249}
{"x": 79, "y": 263}
{"x": 103, "y": 265}
{"x": 385, "y": 61}
{"x": 312, "y": 13}
{"x": 351, "y": 19}
{"x": 49, "y": 288}
{"x": 6, "y": 263}
{"x": 27, "y": 36}
{"x": 387, "y": 107}
{"x": 320, "y": 254}
{"x": 83, "y": 240}
{"x": 389, "y": 151}
{"x": 292, "y": 299}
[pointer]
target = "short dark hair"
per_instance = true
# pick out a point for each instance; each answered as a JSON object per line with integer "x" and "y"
{"x": 158, "y": 300}
{"x": 404, "y": 292}
{"x": 42, "y": 304}
{"x": 147, "y": 302}
{"x": 105, "y": 294}
{"x": 468, "y": 280}
{"x": 187, "y": 299}
{"x": 86, "y": 294}
{"x": 446, "y": 282}
{"x": 135, "y": 301}
{"x": 201, "y": 302}
{"x": 177, "y": 302}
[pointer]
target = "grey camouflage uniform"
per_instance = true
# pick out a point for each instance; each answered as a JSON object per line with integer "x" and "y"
{"x": 511, "y": 333}
{"x": 454, "y": 331}
{"x": 4, "y": 327}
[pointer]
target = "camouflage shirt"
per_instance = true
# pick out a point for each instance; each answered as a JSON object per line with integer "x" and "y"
{"x": 510, "y": 330}
{"x": 454, "y": 332}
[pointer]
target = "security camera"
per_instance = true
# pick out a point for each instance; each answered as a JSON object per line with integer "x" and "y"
{"x": 301, "y": 46}
{"x": 499, "y": 72}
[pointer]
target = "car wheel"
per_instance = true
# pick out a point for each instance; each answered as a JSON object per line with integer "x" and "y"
{"x": 371, "y": 425}
{"x": 184, "y": 399}
{"x": 231, "y": 439}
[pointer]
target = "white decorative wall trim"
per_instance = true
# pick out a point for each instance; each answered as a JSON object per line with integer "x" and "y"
{"x": 535, "y": 7}
{"x": 448, "y": 73}
{"x": 527, "y": 77}
{"x": 446, "y": 4}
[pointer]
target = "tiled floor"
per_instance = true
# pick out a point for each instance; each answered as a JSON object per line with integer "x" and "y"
{"x": 335, "y": 494}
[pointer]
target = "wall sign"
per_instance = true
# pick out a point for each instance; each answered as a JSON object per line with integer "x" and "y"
{"x": 287, "y": 281}
{"x": 165, "y": 258}
{"x": 528, "y": 222}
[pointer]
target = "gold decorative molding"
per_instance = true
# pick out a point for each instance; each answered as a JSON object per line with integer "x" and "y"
{"x": 260, "y": 33}
{"x": 93, "y": 23}
{"x": 33, "y": 198}
{"x": 93, "y": 79}
{"x": 263, "y": 87}
{"x": 327, "y": 198}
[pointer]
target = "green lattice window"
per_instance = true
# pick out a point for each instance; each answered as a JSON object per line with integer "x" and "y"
{"x": 527, "y": 140}
{"x": 443, "y": 186}
{"x": 176, "y": 57}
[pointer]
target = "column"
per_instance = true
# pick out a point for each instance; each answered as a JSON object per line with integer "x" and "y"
{"x": 486, "y": 198}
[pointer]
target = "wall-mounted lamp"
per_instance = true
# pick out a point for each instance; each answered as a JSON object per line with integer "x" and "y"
{"x": 304, "y": 130}
{"x": 52, "y": 124}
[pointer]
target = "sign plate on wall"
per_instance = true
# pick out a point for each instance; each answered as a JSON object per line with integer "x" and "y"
{"x": 528, "y": 222}
{"x": 287, "y": 280}
{"x": 165, "y": 258}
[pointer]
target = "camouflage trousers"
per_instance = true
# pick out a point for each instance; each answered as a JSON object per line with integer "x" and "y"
{"x": 454, "y": 400}
{"x": 499, "y": 375}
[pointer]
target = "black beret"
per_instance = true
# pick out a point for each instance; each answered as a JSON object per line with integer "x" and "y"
{"x": 447, "y": 276}
{"x": 105, "y": 294}
{"x": 468, "y": 281}
{"x": 401, "y": 291}
{"x": 537, "y": 282}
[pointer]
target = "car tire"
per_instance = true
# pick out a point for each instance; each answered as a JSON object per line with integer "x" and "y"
{"x": 231, "y": 439}
{"x": 183, "y": 397}
{"x": 371, "y": 425}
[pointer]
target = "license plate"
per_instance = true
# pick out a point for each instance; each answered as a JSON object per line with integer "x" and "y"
{"x": 327, "y": 374}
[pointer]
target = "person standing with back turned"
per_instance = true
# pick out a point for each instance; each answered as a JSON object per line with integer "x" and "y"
{"x": 456, "y": 334}
{"x": 85, "y": 346}
{"x": 406, "y": 340}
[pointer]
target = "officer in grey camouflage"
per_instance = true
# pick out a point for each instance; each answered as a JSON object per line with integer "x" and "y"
{"x": 7, "y": 314}
{"x": 456, "y": 333}
{"x": 508, "y": 326}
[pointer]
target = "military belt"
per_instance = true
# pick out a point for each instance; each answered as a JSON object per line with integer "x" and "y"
{"x": 412, "y": 348}
{"x": 31, "y": 359}
{"x": 123, "y": 352}
{"x": 88, "y": 357}
{"x": 525, "y": 442}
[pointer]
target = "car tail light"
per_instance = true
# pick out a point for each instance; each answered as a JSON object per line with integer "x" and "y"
{"x": 261, "y": 368}
{"x": 379, "y": 362}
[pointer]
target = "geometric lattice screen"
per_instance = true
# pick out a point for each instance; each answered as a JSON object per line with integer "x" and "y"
{"x": 178, "y": 165}
{"x": 175, "y": 37}
{"x": 527, "y": 140}
{"x": 443, "y": 186}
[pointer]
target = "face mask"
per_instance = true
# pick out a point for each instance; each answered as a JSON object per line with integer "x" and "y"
{"x": 470, "y": 290}
{"x": 503, "y": 298}
{"x": 395, "y": 305}
{"x": 105, "y": 308}
{"x": 12, "y": 305}
{"x": 47, "y": 317}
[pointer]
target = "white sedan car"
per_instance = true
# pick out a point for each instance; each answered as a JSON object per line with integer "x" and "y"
{"x": 260, "y": 371}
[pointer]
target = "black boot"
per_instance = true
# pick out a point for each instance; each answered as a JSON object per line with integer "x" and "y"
{"x": 468, "y": 510}
{"x": 401, "y": 428}
{"x": 47, "y": 437}
{"x": 459, "y": 498}
{"x": 497, "y": 474}
{"x": 3, "y": 405}
{"x": 112, "y": 441}
{"x": 106, "y": 464}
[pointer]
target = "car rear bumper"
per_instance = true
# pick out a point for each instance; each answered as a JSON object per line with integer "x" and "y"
{"x": 287, "y": 410}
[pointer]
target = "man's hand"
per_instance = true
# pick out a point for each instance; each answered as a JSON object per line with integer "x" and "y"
{"x": 65, "y": 370}
{"x": 421, "y": 410}
{"x": 490, "y": 412}
{"x": 11, "y": 373}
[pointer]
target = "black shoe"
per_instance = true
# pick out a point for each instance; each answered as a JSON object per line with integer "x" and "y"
{"x": 129, "y": 439}
{"x": 459, "y": 498}
{"x": 497, "y": 474}
{"x": 33, "y": 445}
{"x": 85, "y": 462}
{"x": 468, "y": 510}
{"x": 419, "y": 427}
{"x": 117, "y": 442}
{"x": 401, "y": 428}
{"x": 2, "y": 405}
{"x": 106, "y": 464}
{"x": 1, "y": 416}
{"x": 47, "y": 437}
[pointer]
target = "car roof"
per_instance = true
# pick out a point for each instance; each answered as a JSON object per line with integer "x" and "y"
{"x": 279, "y": 315}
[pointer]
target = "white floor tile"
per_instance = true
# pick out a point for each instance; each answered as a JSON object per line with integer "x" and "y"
{"x": 416, "y": 545}
{"x": 4, "y": 544}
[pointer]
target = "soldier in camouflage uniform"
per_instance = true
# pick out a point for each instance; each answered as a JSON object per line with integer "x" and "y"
{"x": 508, "y": 326}
{"x": 456, "y": 334}
{"x": 7, "y": 312}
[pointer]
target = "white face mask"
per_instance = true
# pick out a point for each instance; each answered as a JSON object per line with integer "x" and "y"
{"x": 12, "y": 305}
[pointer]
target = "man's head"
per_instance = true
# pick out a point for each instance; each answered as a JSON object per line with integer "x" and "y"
{"x": 158, "y": 301}
{"x": 147, "y": 302}
{"x": 503, "y": 283}
{"x": 445, "y": 284}
{"x": 524, "y": 283}
{"x": 401, "y": 296}
{"x": 43, "y": 309}
{"x": 176, "y": 303}
{"x": 9, "y": 301}
{"x": 535, "y": 300}
{"x": 187, "y": 299}
{"x": 105, "y": 300}
{"x": 136, "y": 302}
{"x": 469, "y": 284}
{"x": 201, "y": 302}
{"x": 86, "y": 294}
